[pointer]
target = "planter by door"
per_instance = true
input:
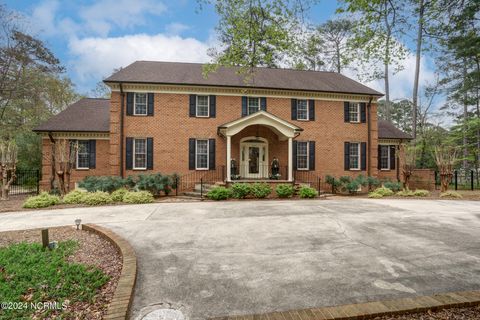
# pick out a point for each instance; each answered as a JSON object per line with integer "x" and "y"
{"x": 254, "y": 158}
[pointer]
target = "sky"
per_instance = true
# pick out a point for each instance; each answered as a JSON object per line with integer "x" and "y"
{"x": 93, "y": 38}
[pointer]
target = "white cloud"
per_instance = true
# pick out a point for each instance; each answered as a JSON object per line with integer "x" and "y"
{"x": 176, "y": 28}
{"x": 44, "y": 17}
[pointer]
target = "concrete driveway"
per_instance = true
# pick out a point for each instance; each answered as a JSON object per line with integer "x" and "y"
{"x": 211, "y": 259}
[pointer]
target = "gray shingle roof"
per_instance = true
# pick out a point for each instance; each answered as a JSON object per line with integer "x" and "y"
{"x": 387, "y": 130}
{"x": 87, "y": 114}
{"x": 265, "y": 78}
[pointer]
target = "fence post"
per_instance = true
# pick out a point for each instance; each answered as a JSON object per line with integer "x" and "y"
{"x": 176, "y": 186}
{"x": 201, "y": 188}
{"x": 38, "y": 181}
{"x": 333, "y": 185}
{"x": 471, "y": 179}
{"x": 436, "y": 179}
{"x": 318, "y": 185}
{"x": 456, "y": 179}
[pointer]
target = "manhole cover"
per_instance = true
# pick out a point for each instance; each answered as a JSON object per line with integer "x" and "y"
{"x": 164, "y": 314}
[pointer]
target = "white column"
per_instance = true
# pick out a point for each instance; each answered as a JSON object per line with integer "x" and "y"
{"x": 290, "y": 160}
{"x": 229, "y": 157}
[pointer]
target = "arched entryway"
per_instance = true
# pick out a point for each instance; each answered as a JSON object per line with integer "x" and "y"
{"x": 254, "y": 161}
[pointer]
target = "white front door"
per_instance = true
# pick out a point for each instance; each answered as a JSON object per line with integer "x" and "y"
{"x": 254, "y": 160}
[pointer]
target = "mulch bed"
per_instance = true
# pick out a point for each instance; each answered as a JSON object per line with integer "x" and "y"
{"x": 93, "y": 250}
{"x": 445, "y": 314}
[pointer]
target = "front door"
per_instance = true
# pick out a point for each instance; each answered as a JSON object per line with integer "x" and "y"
{"x": 253, "y": 160}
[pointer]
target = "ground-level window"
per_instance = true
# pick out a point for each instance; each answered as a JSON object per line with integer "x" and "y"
{"x": 83, "y": 156}
{"x": 302, "y": 109}
{"x": 354, "y": 156}
{"x": 253, "y": 105}
{"x": 140, "y": 154}
{"x": 202, "y": 106}
{"x": 354, "y": 112}
{"x": 140, "y": 104}
{"x": 384, "y": 157}
{"x": 302, "y": 155}
{"x": 201, "y": 154}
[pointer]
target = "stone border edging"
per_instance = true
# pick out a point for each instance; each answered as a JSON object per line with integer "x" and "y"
{"x": 119, "y": 307}
{"x": 374, "y": 309}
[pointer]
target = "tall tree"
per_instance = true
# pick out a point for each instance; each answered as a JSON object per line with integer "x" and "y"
{"x": 309, "y": 53}
{"x": 335, "y": 35}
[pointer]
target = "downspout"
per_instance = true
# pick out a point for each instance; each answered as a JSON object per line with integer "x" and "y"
{"x": 122, "y": 109}
{"x": 369, "y": 137}
{"x": 398, "y": 159}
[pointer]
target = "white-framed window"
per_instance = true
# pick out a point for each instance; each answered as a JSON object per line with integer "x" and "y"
{"x": 140, "y": 154}
{"x": 201, "y": 154}
{"x": 83, "y": 156}
{"x": 140, "y": 104}
{"x": 302, "y": 109}
{"x": 354, "y": 156}
{"x": 203, "y": 108}
{"x": 384, "y": 157}
{"x": 253, "y": 105}
{"x": 302, "y": 155}
{"x": 354, "y": 112}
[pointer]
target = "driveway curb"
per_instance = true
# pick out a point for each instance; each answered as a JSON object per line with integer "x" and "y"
{"x": 371, "y": 310}
{"x": 119, "y": 307}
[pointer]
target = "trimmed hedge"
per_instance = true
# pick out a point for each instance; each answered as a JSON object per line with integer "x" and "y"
{"x": 284, "y": 190}
{"x": 241, "y": 190}
{"x": 97, "y": 198}
{"x": 43, "y": 200}
{"x": 75, "y": 197}
{"x": 118, "y": 195}
{"x": 138, "y": 197}
{"x": 219, "y": 193}
{"x": 307, "y": 192}
{"x": 261, "y": 190}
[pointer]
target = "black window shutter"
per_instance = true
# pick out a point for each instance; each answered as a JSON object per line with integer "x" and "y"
{"x": 150, "y": 99}
{"x": 149, "y": 153}
{"x": 294, "y": 154}
{"x": 294, "y": 109}
{"x": 263, "y": 104}
{"x": 346, "y": 111}
{"x": 311, "y": 155}
{"x": 392, "y": 157}
{"x": 346, "y": 156}
{"x": 363, "y": 112}
{"x": 379, "y": 156}
{"x": 193, "y": 105}
{"x": 211, "y": 154}
{"x": 129, "y": 154}
{"x": 363, "y": 155}
{"x": 213, "y": 106}
{"x": 311, "y": 110}
{"x": 130, "y": 103}
{"x": 92, "y": 150}
{"x": 191, "y": 153}
{"x": 244, "y": 107}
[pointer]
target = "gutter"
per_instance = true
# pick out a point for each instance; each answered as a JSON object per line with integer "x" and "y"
{"x": 369, "y": 138}
{"x": 122, "y": 107}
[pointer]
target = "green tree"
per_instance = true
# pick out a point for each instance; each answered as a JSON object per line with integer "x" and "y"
{"x": 336, "y": 35}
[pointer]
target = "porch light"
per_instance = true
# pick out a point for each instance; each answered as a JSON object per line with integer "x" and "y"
{"x": 78, "y": 222}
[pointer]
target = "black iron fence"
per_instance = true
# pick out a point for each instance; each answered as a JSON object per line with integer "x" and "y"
{"x": 255, "y": 172}
{"x": 187, "y": 182}
{"x": 25, "y": 182}
{"x": 462, "y": 180}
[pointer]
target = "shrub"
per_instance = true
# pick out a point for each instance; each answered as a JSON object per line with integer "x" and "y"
{"x": 284, "y": 190}
{"x": 241, "y": 190}
{"x": 137, "y": 197}
{"x": 421, "y": 193}
{"x": 375, "y": 195}
{"x": 106, "y": 184}
{"x": 155, "y": 183}
{"x": 352, "y": 186}
{"x": 117, "y": 195}
{"x": 384, "y": 191}
{"x": 97, "y": 198}
{"x": 261, "y": 190}
{"x": 345, "y": 179}
{"x": 307, "y": 192}
{"x": 405, "y": 193}
{"x": 335, "y": 183}
{"x": 393, "y": 185}
{"x": 75, "y": 197}
{"x": 450, "y": 194}
{"x": 43, "y": 200}
{"x": 361, "y": 180}
{"x": 219, "y": 193}
{"x": 373, "y": 182}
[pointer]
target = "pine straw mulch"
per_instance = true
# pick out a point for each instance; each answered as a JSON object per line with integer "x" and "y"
{"x": 468, "y": 313}
{"x": 93, "y": 250}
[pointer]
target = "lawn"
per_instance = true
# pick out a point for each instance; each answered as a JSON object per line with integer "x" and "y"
{"x": 31, "y": 276}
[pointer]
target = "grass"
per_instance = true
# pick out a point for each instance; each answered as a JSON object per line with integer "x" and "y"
{"x": 30, "y": 274}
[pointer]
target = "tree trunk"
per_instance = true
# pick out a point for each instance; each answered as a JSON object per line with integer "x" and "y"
{"x": 465, "y": 119}
{"x": 421, "y": 9}
{"x": 386, "y": 62}
{"x": 6, "y": 183}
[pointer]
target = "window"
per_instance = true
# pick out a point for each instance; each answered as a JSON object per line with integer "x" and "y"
{"x": 302, "y": 110}
{"x": 201, "y": 154}
{"x": 140, "y": 104}
{"x": 354, "y": 156}
{"x": 253, "y": 105}
{"x": 83, "y": 156}
{"x": 354, "y": 111}
{"x": 302, "y": 155}
{"x": 140, "y": 154}
{"x": 202, "y": 106}
{"x": 384, "y": 157}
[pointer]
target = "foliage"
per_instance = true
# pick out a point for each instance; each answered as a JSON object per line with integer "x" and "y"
{"x": 155, "y": 183}
{"x": 352, "y": 186}
{"x": 75, "y": 197}
{"x": 43, "y": 275}
{"x": 405, "y": 193}
{"x": 241, "y": 190}
{"x": 138, "y": 197}
{"x": 261, "y": 190}
{"x": 450, "y": 194}
{"x": 117, "y": 195}
{"x": 307, "y": 192}
{"x": 97, "y": 198}
{"x": 375, "y": 195}
{"x": 43, "y": 200}
{"x": 384, "y": 191}
{"x": 373, "y": 182}
{"x": 395, "y": 186}
{"x": 99, "y": 183}
{"x": 284, "y": 190}
{"x": 421, "y": 193}
{"x": 335, "y": 183}
{"x": 219, "y": 193}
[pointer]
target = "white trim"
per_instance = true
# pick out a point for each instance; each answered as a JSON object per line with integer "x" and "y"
{"x": 261, "y": 164}
{"x": 359, "y": 156}
{"x": 359, "y": 116}
{"x": 388, "y": 158}
{"x": 135, "y": 104}
{"x": 196, "y": 105}
{"x": 259, "y": 105}
{"x": 88, "y": 152}
{"x": 208, "y": 154}
{"x": 134, "y": 167}
{"x": 308, "y": 156}
{"x": 308, "y": 109}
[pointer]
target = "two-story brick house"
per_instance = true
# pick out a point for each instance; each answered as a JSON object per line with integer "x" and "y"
{"x": 167, "y": 117}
